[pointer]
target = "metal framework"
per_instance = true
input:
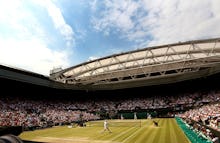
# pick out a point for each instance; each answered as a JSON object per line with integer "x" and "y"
{"x": 144, "y": 64}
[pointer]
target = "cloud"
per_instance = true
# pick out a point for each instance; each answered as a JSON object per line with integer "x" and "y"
{"x": 31, "y": 54}
{"x": 159, "y": 21}
{"x": 93, "y": 5}
{"x": 25, "y": 40}
{"x": 58, "y": 21}
{"x": 117, "y": 14}
{"x": 93, "y": 58}
{"x": 183, "y": 20}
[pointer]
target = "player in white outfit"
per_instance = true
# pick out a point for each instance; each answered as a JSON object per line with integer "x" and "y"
{"x": 106, "y": 127}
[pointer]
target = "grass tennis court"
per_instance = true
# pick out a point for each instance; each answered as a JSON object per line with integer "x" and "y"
{"x": 123, "y": 131}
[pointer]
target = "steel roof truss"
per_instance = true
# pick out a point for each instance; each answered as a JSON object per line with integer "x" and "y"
{"x": 152, "y": 69}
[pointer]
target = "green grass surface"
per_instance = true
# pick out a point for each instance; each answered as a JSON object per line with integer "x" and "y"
{"x": 123, "y": 131}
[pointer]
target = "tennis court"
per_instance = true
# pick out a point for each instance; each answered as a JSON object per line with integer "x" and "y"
{"x": 123, "y": 131}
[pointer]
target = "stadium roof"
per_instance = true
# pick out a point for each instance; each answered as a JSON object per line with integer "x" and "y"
{"x": 148, "y": 66}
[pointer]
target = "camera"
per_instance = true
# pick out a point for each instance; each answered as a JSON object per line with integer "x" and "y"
{"x": 10, "y": 134}
{"x": 10, "y": 138}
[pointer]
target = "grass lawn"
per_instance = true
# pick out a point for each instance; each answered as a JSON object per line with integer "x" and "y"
{"x": 123, "y": 131}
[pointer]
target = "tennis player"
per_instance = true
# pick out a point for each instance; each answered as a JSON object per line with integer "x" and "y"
{"x": 106, "y": 127}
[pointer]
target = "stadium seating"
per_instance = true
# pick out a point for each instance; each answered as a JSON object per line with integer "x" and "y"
{"x": 191, "y": 134}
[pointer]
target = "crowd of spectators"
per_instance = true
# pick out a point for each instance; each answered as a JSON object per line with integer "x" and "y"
{"x": 207, "y": 115}
{"x": 28, "y": 113}
{"x": 202, "y": 131}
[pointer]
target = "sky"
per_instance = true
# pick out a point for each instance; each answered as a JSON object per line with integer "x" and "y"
{"x": 40, "y": 35}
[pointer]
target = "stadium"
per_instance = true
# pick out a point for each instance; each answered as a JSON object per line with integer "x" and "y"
{"x": 162, "y": 94}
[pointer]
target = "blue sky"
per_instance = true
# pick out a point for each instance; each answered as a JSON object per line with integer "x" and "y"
{"x": 39, "y": 35}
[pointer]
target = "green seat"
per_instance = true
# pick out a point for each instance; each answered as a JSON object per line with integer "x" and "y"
{"x": 191, "y": 134}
